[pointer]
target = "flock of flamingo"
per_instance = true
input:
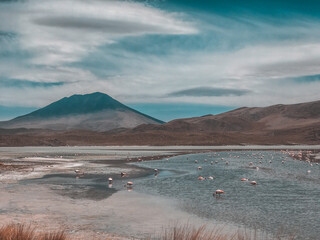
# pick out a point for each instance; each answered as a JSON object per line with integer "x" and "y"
{"x": 218, "y": 192}
{"x": 293, "y": 154}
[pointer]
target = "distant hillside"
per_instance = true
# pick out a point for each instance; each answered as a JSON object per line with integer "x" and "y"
{"x": 278, "y": 124}
{"x": 246, "y": 120}
{"x": 96, "y": 112}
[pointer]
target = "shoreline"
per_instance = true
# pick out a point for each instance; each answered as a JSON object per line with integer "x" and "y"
{"x": 304, "y": 153}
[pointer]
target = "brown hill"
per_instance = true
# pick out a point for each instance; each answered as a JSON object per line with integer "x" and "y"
{"x": 278, "y": 124}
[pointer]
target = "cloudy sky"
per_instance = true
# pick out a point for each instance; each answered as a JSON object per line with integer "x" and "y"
{"x": 167, "y": 58}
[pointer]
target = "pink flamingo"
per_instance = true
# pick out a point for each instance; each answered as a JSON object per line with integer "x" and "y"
{"x": 218, "y": 192}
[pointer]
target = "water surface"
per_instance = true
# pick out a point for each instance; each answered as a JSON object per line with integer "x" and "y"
{"x": 286, "y": 198}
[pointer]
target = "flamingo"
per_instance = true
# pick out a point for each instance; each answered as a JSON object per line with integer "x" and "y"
{"x": 253, "y": 183}
{"x": 218, "y": 192}
{"x": 244, "y": 179}
{"x": 210, "y": 178}
{"x": 201, "y": 178}
{"x": 211, "y": 163}
{"x": 123, "y": 174}
{"x": 78, "y": 172}
{"x": 110, "y": 180}
{"x": 199, "y": 168}
{"x": 129, "y": 184}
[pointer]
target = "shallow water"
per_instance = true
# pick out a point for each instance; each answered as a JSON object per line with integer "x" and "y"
{"x": 286, "y": 197}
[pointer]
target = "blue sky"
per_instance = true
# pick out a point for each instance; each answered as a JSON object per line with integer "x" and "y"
{"x": 167, "y": 58}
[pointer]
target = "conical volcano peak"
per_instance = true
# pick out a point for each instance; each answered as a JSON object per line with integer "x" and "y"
{"x": 95, "y": 111}
{"x": 79, "y": 104}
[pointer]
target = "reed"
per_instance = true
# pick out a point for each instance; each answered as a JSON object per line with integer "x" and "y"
{"x": 188, "y": 232}
{"x": 177, "y": 232}
{"x": 26, "y": 232}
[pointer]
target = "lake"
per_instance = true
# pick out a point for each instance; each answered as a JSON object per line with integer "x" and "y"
{"x": 286, "y": 197}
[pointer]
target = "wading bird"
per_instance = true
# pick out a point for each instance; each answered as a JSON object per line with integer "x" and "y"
{"x": 110, "y": 180}
{"x": 218, "y": 192}
{"x": 78, "y": 172}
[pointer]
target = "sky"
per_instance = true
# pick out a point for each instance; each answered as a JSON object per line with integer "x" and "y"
{"x": 166, "y": 58}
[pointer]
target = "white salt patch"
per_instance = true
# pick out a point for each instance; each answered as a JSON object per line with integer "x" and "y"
{"x": 45, "y": 159}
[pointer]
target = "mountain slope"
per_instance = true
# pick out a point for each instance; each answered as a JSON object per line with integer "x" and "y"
{"x": 277, "y": 124}
{"x": 246, "y": 119}
{"x": 96, "y": 112}
{"x": 273, "y": 125}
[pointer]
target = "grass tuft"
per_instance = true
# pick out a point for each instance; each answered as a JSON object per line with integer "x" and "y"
{"x": 188, "y": 232}
{"x": 26, "y": 232}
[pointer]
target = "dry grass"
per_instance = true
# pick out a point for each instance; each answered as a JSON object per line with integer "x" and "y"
{"x": 188, "y": 232}
{"x": 26, "y": 232}
{"x": 178, "y": 232}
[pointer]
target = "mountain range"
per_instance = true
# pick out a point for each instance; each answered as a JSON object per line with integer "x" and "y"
{"x": 98, "y": 119}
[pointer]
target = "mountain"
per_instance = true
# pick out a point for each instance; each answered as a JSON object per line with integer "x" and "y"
{"x": 273, "y": 125}
{"x": 272, "y": 118}
{"x": 277, "y": 124}
{"x": 96, "y": 112}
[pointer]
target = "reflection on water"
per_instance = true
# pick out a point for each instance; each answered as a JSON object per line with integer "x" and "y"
{"x": 89, "y": 186}
{"x": 286, "y": 195}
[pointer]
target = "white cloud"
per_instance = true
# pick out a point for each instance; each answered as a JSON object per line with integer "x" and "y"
{"x": 59, "y": 32}
{"x": 260, "y": 69}
{"x": 63, "y": 31}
